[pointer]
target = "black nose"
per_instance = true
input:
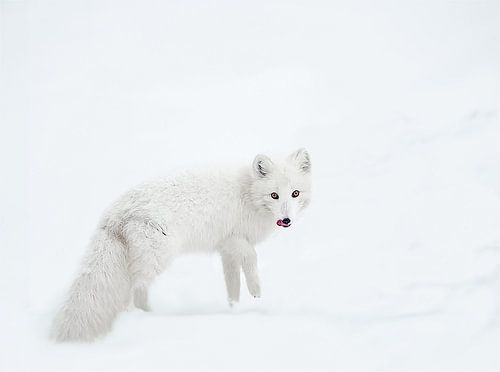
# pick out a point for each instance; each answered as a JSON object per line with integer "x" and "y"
{"x": 286, "y": 220}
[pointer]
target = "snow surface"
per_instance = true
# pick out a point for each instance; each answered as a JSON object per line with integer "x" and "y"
{"x": 395, "y": 266}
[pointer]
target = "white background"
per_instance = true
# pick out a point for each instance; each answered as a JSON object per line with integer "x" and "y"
{"x": 396, "y": 264}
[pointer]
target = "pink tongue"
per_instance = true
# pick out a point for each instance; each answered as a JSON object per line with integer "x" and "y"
{"x": 280, "y": 223}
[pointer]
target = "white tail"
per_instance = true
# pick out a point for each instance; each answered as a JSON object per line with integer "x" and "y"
{"x": 97, "y": 295}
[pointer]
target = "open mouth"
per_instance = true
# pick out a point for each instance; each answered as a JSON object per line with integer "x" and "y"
{"x": 283, "y": 224}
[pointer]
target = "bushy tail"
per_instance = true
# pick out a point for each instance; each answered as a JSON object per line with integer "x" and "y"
{"x": 97, "y": 295}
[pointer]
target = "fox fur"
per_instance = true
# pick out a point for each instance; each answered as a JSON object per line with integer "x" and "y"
{"x": 141, "y": 233}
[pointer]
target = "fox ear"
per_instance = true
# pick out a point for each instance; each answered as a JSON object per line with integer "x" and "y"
{"x": 302, "y": 160}
{"x": 262, "y": 165}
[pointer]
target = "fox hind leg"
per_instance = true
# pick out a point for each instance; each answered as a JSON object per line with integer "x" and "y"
{"x": 148, "y": 251}
{"x": 140, "y": 296}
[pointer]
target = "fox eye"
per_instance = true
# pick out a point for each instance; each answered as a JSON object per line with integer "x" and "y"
{"x": 275, "y": 196}
{"x": 295, "y": 193}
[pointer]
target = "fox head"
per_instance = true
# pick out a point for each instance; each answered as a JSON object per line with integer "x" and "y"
{"x": 282, "y": 189}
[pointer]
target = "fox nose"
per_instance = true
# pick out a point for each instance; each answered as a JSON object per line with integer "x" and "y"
{"x": 286, "y": 220}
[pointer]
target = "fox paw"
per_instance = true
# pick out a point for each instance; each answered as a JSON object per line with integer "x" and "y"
{"x": 254, "y": 291}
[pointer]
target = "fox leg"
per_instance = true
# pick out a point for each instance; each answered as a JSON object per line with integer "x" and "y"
{"x": 140, "y": 297}
{"x": 237, "y": 254}
{"x": 148, "y": 256}
{"x": 249, "y": 264}
{"x": 232, "y": 266}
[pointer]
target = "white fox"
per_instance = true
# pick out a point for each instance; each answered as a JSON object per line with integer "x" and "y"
{"x": 226, "y": 212}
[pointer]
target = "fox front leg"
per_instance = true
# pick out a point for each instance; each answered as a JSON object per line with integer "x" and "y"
{"x": 249, "y": 264}
{"x": 239, "y": 254}
{"x": 232, "y": 265}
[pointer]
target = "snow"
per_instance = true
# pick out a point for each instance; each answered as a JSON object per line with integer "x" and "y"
{"x": 396, "y": 264}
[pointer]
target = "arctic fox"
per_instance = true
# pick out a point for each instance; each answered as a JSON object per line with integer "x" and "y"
{"x": 227, "y": 212}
